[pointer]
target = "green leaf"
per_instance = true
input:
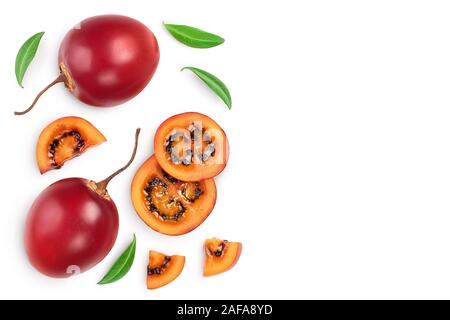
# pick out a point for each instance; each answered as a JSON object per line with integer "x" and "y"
{"x": 122, "y": 265}
{"x": 193, "y": 37}
{"x": 214, "y": 83}
{"x": 25, "y": 56}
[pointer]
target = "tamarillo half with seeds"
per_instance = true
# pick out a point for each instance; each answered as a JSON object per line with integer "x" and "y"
{"x": 191, "y": 146}
{"x": 168, "y": 205}
{"x": 65, "y": 139}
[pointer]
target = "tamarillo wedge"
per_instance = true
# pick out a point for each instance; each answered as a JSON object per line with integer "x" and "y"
{"x": 65, "y": 139}
{"x": 168, "y": 205}
{"x": 191, "y": 147}
{"x": 163, "y": 269}
{"x": 220, "y": 256}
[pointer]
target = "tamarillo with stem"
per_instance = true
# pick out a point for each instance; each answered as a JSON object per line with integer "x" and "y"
{"x": 72, "y": 225}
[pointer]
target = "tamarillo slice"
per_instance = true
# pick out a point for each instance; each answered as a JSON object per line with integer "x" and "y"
{"x": 168, "y": 205}
{"x": 220, "y": 256}
{"x": 65, "y": 139}
{"x": 163, "y": 269}
{"x": 191, "y": 147}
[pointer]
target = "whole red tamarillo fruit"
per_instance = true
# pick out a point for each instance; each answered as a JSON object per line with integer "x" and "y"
{"x": 106, "y": 60}
{"x": 72, "y": 225}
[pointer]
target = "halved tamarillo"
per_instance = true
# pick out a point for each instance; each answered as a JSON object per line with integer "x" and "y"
{"x": 106, "y": 60}
{"x": 65, "y": 139}
{"x": 168, "y": 205}
{"x": 191, "y": 147}
{"x": 220, "y": 256}
{"x": 163, "y": 269}
{"x": 72, "y": 225}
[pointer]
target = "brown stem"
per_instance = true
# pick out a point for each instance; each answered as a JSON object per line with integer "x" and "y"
{"x": 102, "y": 185}
{"x": 61, "y": 78}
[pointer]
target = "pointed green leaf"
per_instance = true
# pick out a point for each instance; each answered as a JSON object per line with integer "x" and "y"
{"x": 194, "y": 37}
{"x": 25, "y": 56}
{"x": 214, "y": 83}
{"x": 122, "y": 265}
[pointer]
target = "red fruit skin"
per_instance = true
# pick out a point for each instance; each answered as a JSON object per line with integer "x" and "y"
{"x": 110, "y": 59}
{"x": 70, "y": 228}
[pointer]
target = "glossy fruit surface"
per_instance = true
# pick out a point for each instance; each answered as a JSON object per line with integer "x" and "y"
{"x": 163, "y": 269}
{"x": 220, "y": 256}
{"x": 108, "y": 59}
{"x": 168, "y": 205}
{"x": 70, "y": 227}
{"x": 65, "y": 139}
{"x": 191, "y": 147}
{"x": 105, "y": 61}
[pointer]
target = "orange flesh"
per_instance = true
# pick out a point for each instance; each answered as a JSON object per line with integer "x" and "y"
{"x": 220, "y": 256}
{"x": 171, "y": 206}
{"x": 163, "y": 269}
{"x": 205, "y": 149}
{"x": 65, "y": 139}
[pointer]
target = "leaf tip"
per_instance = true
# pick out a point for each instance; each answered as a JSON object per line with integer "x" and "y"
{"x": 39, "y": 35}
{"x": 228, "y": 102}
{"x": 103, "y": 281}
{"x": 167, "y": 26}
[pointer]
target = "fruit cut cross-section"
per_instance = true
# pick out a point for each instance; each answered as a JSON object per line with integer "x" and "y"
{"x": 65, "y": 139}
{"x": 220, "y": 256}
{"x": 191, "y": 147}
{"x": 168, "y": 205}
{"x": 163, "y": 269}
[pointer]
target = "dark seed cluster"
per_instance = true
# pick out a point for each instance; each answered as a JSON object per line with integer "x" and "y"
{"x": 197, "y": 193}
{"x": 160, "y": 269}
{"x": 201, "y": 153}
{"x": 57, "y": 141}
{"x": 220, "y": 249}
{"x": 156, "y": 182}
{"x": 191, "y": 198}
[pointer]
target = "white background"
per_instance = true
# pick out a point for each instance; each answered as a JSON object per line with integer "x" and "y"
{"x": 338, "y": 184}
